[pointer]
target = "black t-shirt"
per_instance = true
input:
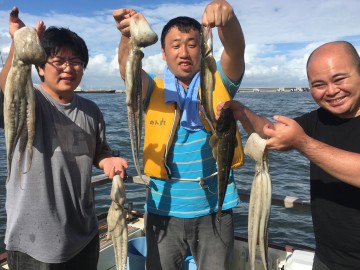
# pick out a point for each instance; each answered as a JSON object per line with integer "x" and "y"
{"x": 335, "y": 205}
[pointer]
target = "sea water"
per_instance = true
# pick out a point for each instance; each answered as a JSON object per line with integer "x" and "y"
{"x": 289, "y": 170}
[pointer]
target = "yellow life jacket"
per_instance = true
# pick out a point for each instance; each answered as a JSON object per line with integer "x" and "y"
{"x": 161, "y": 121}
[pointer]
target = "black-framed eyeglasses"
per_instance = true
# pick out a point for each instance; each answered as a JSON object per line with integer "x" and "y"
{"x": 62, "y": 64}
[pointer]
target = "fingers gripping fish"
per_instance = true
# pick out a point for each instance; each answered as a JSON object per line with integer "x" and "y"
{"x": 260, "y": 200}
{"x": 141, "y": 36}
{"x": 116, "y": 219}
{"x": 19, "y": 99}
{"x": 223, "y": 144}
{"x": 207, "y": 72}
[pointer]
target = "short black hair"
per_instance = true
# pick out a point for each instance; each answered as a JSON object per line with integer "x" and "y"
{"x": 183, "y": 23}
{"x": 57, "y": 38}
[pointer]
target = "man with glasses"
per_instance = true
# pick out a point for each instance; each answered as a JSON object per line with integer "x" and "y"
{"x": 61, "y": 64}
{"x": 51, "y": 220}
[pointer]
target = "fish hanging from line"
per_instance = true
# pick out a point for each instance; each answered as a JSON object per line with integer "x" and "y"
{"x": 207, "y": 72}
{"x": 223, "y": 143}
{"x": 19, "y": 97}
{"x": 141, "y": 36}
{"x": 260, "y": 200}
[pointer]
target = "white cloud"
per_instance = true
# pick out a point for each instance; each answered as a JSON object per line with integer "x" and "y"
{"x": 279, "y": 36}
{"x": 154, "y": 64}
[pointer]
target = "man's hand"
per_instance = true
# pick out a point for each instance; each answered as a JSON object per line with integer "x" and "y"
{"x": 40, "y": 29}
{"x": 113, "y": 166}
{"x": 218, "y": 13}
{"x": 286, "y": 134}
{"x": 122, "y": 18}
{"x": 15, "y": 23}
{"x": 236, "y": 107}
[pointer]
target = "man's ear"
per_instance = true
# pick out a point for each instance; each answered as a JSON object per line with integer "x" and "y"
{"x": 41, "y": 72}
{"x": 163, "y": 54}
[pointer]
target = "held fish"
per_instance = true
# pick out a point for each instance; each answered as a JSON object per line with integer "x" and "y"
{"x": 207, "y": 72}
{"x": 223, "y": 143}
{"x": 141, "y": 36}
{"x": 116, "y": 219}
{"x": 19, "y": 99}
{"x": 260, "y": 200}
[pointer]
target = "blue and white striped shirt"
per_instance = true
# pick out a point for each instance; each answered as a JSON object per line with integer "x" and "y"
{"x": 190, "y": 159}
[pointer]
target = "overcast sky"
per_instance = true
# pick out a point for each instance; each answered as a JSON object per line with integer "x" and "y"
{"x": 279, "y": 34}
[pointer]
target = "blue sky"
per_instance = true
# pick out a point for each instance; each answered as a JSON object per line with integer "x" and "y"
{"x": 279, "y": 34}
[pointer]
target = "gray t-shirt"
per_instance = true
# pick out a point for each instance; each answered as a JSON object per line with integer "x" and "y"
{"x": 50, "y": 209}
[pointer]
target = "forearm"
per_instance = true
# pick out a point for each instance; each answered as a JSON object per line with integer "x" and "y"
{"x": 341, "y": 164}
{"x": 232, "y": 38}
{"x": 6, "y": 68}
{"x": 252, "y": 122}
{"x": 123, "y": 53}
{"x": 14, "y": 24}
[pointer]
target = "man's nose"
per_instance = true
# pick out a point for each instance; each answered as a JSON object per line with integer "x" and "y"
{"x": 184, "y": 51}
{"x": 332, "y": 89}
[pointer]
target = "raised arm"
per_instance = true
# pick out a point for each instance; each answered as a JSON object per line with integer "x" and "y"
{"x": 14, "y": 24}
{"x": 220, "y": 14}
{"x": 122, "y": 18}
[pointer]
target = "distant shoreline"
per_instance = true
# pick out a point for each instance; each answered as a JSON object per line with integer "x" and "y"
{"x": 241, "y": 89}
{"x": 93, "y": 91}
{"x": 273, "y": 89}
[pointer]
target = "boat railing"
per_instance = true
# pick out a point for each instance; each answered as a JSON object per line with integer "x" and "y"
{"x": 102, "y": 179}
{"x": 244, "y": 195}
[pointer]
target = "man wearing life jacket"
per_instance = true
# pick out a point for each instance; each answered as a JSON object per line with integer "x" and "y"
{"x": 182, "y": 195}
